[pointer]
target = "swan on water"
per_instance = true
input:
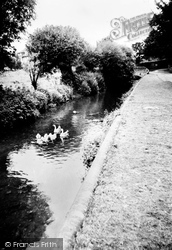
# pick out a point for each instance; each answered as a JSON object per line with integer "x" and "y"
{"x": 38, "y": 136}
{"x": 64, "y": 134}
{"x": 57, "y": 130}
{"x": 39, "y": 141}
{"x": 75, "y": 112}
{"x": 45, "y": 138}
{"x": 52, "y": 136}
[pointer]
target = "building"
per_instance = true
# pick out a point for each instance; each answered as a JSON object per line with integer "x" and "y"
{"x": 23, "y": 56}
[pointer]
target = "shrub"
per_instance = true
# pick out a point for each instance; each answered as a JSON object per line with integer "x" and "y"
{"x": 42, "y": 100}
{"x": 17, "y": 106}
{"x": 65, "y": 91}
{"x": 87, "y": 83}
{"x": 58, "y": 94}
{"x": 91, "y": 143}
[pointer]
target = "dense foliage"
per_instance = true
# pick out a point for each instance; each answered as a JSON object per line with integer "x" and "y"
{"x": 159, "y": 42}
{"x": 89, "y": 83}
{"x": 21, "y": 105}
{"x": 116, "y": 66}
{"x": 14, "y": 18}
{"x": 82, "y": 69}
{"x": 86, "y": 69}
{"x": 57, "y": 46}
{"x": 91, "y": 59}
{"x": 139, "y": 51}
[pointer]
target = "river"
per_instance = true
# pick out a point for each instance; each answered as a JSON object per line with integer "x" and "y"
{"x": 39, "y": 182}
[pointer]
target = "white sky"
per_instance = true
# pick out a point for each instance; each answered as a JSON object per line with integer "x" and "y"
{"x": 90, "y": 17}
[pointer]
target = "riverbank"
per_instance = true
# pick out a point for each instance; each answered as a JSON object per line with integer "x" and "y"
{"x": 131, "y": 205}
{"x": 21, "y": 104}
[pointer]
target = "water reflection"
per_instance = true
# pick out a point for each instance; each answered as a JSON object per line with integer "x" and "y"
{"x": 24, "y": 211}
{"x": 30, "y": 173}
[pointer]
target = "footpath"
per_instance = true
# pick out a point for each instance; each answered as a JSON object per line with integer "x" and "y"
{"x": 132, "y": 204}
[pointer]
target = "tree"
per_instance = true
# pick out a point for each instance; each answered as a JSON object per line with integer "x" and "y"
{"x": 57, "y": 46}
{"x": 116, "y": 65}
{"x": 90, "y": 60}
{"x": 33, "y": 67}
{"x": 138, "y": 49}
{"x": 14, "y": 17}
{"x": 159, "y": 42}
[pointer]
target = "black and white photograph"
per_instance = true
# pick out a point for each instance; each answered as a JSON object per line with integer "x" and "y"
{"x": 85, "y": 124}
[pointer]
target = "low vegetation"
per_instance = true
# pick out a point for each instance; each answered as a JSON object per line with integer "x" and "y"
{"x": 20, "y": 103}
{"x": 93, "y": 139}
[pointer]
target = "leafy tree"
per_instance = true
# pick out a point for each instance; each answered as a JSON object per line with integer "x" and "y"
{"x": 139, "y": 51}
{"x": 58, "y": 46}
{"x": 90, "y": 61}
{"x": 117, "y": 66}
{"x": 14, "y": 17}
{"x": 159, "y": 42}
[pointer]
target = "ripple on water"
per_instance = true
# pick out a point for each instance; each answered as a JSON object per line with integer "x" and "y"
{"x": 46, "y": 177}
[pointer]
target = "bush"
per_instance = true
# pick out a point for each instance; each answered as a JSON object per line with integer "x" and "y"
{"x": 19, "y": 104}
{"x": 42, "y": 100}
{"x": 17, "y": 107}
{"x": 87, "y": 83}
{"x": 58, "y": 94}
{"x": 65, "y": 91}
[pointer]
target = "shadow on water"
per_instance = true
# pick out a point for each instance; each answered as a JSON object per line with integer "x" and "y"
{"x": 39, "y": 182}
{"x": 24, "y": 210}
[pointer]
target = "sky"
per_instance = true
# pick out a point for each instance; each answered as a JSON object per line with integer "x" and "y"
{"x": 90, "y": 17}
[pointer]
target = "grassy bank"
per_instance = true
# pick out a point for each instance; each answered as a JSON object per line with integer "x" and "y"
{"x": 20, "y": 103}
{"x": 96, "y": 135}
{"x": 131, "y": 205}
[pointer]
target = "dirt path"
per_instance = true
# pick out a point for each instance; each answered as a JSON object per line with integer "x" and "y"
{"x": 132, "y": 205}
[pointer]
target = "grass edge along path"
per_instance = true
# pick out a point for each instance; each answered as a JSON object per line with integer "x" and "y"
{"x": 79, "y": 208}
{"x": 132, "y": 205}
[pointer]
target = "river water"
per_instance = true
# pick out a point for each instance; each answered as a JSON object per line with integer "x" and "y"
{"x": 39, "y": 182}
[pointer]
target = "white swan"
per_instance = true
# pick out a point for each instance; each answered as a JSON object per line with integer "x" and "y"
{"x": 64, "y": 134}
{"x": 57, "y": 130}
{"x": 39, "y": 141}
{"x": 45, "y": 138}
{"x": 75, "y": 112}
{"x": 38, "y": 136}
{"x": 52, "y": 137}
